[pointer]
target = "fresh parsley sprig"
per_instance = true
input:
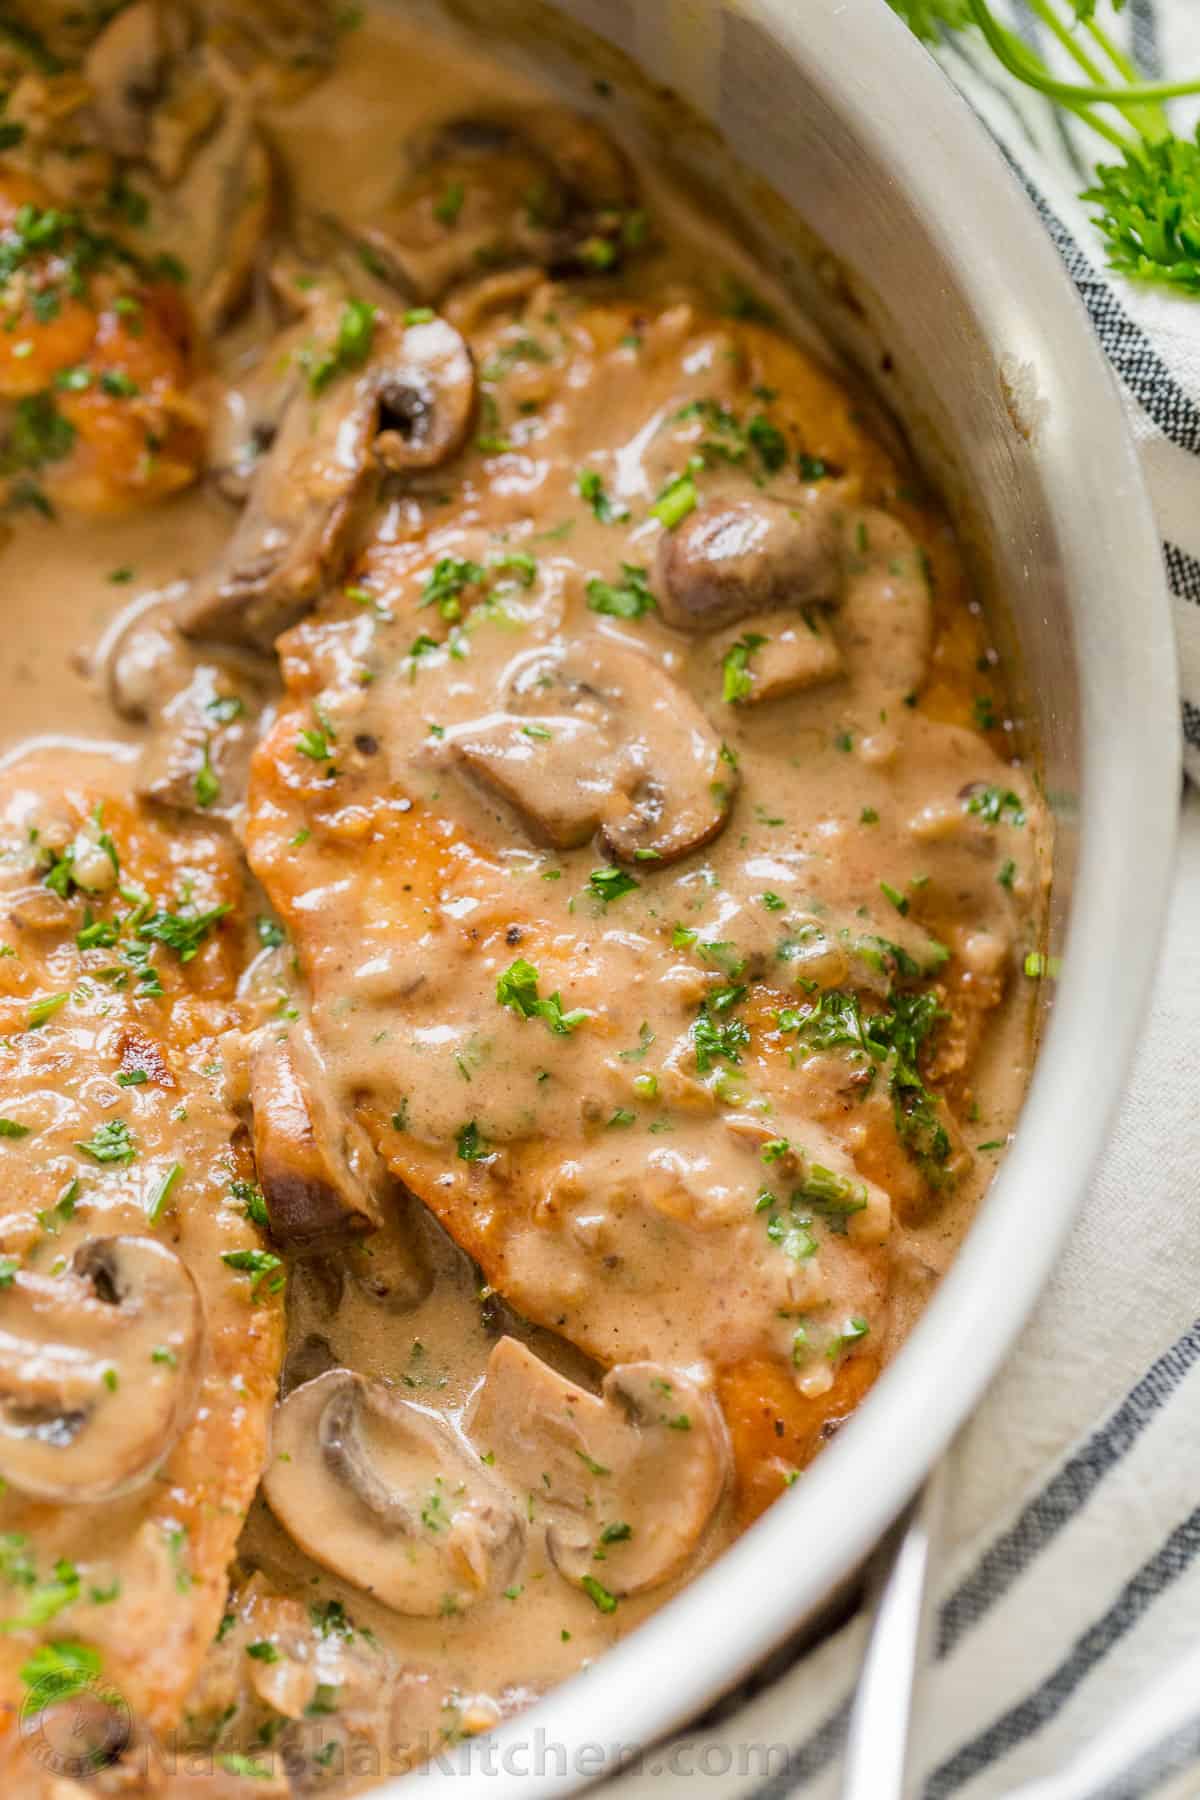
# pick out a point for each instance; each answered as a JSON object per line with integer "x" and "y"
{"x": 1147, "y": 205}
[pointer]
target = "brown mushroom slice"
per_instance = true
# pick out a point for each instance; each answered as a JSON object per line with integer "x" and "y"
{"x": 202, "y": 712}
{"x": 553, "y": 783}
{"x": 197, "y": 758}
{"x": 594, "y": 170}
{"x": 128, "y": 69}
{"x": 632, "y": 1476}
{"x": 207, "y": 174}
{"x": 381, "y": 1492}
{"x": 98, "y": 1370}
{"x": 408, "y": 408}
{"x": 392, "y": 1270}
{"x": 548, "y": 188}
{"x": 321, "y": 1178}
{"x": 597, "y": 737}
{"x": 229, "y": 191}
{"x": 785, "y": 655}
{"x": 734, "y": 558}
{"x": 272, "y": 51}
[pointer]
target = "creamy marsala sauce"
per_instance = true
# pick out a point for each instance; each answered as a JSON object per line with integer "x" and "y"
{"x": 516, "y": 896}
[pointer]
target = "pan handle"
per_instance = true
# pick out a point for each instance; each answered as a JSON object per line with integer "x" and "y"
{"x": 881, "y": 1721}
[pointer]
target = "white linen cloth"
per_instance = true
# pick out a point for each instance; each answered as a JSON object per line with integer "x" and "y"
{"x": 1067, "y": 1661}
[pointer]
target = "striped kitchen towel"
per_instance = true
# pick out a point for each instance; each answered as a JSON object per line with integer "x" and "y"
{"x": 1066, "y": 1656}
{"x": 1151, "y": 334}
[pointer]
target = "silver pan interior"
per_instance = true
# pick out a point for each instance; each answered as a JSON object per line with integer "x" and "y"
{"x": 925, "y": 261}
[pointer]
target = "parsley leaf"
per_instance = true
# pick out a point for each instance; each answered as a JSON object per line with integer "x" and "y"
{"x": 738, "y": 684}
{"x": 182, "y": 932}
{"x": 472, "y": 1146}
{"x": 517, "y": 989}
{"x": 56, "y": 1671}
{"x": 591, "y": 488}
{"x": 631, "y": 598}
{"x": 111, "y": 1142}
{"x": 996, "y": 806}
{"x": 609, "y": 884}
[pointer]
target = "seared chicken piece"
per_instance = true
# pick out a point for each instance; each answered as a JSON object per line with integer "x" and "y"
{"x": 97, "y": 410}
{"x": 648, "y": 1102}
{"x": 140, "y": 1316}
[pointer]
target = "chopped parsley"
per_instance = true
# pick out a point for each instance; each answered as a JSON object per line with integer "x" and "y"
{"x": 996, "y": 806}
{"x": 894, "y": 897}
{"x": 253, "y": 1202}
{"x": 517, "y": 989}
{"x": 631, "y": 598}
{"x": 677, "y": 500}
{"x": 350, "y": 349}
{"x": 55, "y": 1671}
{"x": 156, "y": 1205}
{"x": 38, "y": 434}
{"x": 738, "y": 683}
{"x": 892, "y": 1039}
{"x": 471, "y": 1145}
{"x": 255, "y": 1263}
{"x": 714, "y": 1040}
{"x": 314, "y": 743}
{"x": 46, "y": 1599}
{"x": 793, "y": 1236}
{"x": 450, "y": 203}
{"x": 599, "y": 1595}
{"x": 447, "y": 582}
{"x": 181, "y": 932}
{"x": 609, "y": 884}
{"x": 44, "y": 1009}
{"x": 591, "y": 488}
{"x": 270, "y": 932}
{"x": 206, "y": 784}
{"x": 111, "y": 1142}
{"x": 852, "y": 1332}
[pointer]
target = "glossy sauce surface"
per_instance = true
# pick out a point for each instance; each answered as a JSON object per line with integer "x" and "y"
{"x": 616, "y": 893}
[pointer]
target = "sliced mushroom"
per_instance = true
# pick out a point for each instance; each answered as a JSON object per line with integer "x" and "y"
{"x": 734, "y": 558}
{"x": 207, "y": 174}
{"x": 785, "y": 655}
{"x": 202, "y": 712}
{"x": 548, "y": 188}
{"x": 408, "y": 408}
{"x": 392, "y": 1269}
{"x": 305, "y": 1361}
{"x": 128, "y": 69}
{"x": 382, "y": 1492}
{"x": 249, "y": 411}
{"x": 321, "y": 1177}
{"x": 272, "y": 51}
{"x": 632, "y": 1476}
{"x": 596, "y": 737}
{"x": 98, "y": 1369}
{"x": 217, "y": 218}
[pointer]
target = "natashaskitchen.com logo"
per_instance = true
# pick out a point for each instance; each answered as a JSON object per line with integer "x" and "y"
{"x": 80, "y": 1732}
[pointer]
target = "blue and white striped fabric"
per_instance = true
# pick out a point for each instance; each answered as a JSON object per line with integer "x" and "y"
{"x": 1067, "y": 1657}
{"x": 1152, "y": 336}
